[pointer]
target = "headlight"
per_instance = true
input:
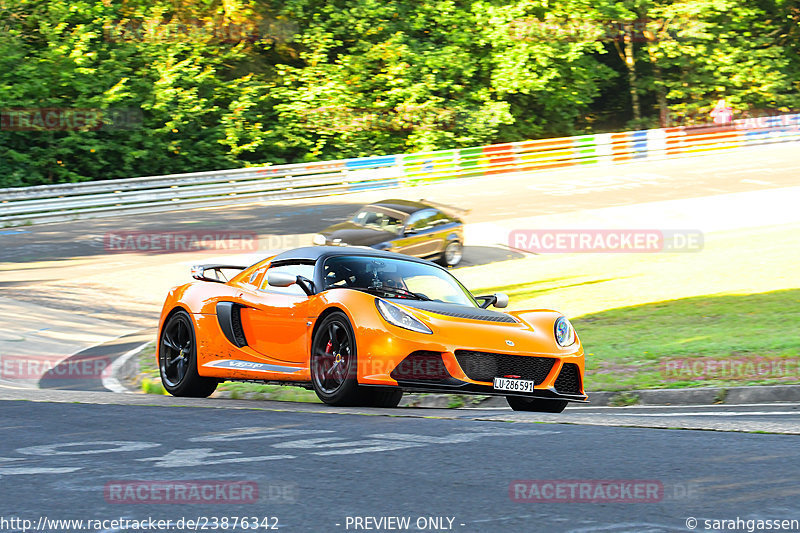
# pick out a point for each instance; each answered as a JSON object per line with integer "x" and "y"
{"x": 319, "y": 239}
{"x": 565, "y": 333}
{"x": 394, "y": 315}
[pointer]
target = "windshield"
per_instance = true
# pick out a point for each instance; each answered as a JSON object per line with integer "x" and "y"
{"x": 394, "y": 278}
{"x": 380, "y": 219}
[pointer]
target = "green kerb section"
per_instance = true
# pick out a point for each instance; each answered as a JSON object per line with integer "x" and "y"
{"x": 469, "y": 157}
{"x": 426, "y": 168}
{"x": 585, "y": 149}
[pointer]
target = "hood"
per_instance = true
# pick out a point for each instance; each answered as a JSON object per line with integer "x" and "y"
{"x": 524, "y": 333}
{"x": 459, "y": 311}
{"x": 356, "y": 235}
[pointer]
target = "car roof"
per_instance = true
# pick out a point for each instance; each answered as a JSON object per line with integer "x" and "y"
{"x": 314, "y": 253}
{"x": 405, "y": 206}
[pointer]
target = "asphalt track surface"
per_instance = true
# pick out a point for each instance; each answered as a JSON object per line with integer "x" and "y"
{"x": 316, "y": 466}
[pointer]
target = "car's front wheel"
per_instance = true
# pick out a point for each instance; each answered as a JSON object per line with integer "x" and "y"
{"x": 333, "y": 362}
{"x": 538, "y": 405}
{"x": 334, "y": 367}
{"x": 177, "y": 359}
{"x": 383, "y": 397}
{"x": 452, "y": 254}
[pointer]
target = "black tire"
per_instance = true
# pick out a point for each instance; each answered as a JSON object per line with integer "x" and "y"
{"x": 537, "y": 405}
{"x": 177, "y": 359}
{"x": 382, "y": 397}
{"x": 334, "y": 362}
{"x": 452, "y": 254}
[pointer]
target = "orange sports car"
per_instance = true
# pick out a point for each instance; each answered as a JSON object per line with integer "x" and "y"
{"x": 361, "y": 326}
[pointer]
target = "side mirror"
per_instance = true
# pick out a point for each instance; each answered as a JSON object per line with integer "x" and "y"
{"x": 284, "y": 279}
{"x": 280, "y": 279}
{"x": 500, "y": 300}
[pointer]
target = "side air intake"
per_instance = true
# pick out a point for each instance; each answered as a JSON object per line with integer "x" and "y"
{"x": 230, "y": 321}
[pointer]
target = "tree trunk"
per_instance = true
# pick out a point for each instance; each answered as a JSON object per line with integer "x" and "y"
{"x": 626, "y": 53}
{"x": 661, "y": 95}
{"x": 630, "y": 63}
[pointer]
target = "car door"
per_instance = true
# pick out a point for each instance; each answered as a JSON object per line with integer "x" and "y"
{"x": 275, "y": 318}
{"x": 442, "y": 227}
{"x": 419, "y": 235}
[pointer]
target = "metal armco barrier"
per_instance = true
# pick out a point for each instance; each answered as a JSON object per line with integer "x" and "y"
{"x": 51, "y": 203}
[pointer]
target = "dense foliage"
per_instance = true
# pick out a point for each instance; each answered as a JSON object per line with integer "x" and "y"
{"x": 100, "y": 89}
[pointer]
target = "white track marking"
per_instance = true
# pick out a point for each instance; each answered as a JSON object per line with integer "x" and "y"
{"x": 34, "y": 470}
{"x": 257, "y": 433}
{"x": 674, "y": 407}
{"x": 384, "y": 446}
{"x": 105, "y": 447}
{"x": 721, "y": 413}
{"x": 458, "y": 438}
{"x": 205, "y": 456}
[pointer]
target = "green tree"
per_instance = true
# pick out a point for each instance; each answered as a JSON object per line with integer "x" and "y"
{"x": 213, "y": 84}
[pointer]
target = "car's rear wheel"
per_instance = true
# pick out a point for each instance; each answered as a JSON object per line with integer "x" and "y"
{"x": 177, "y": 359}
{"x": 334, "y": 362}
{"x": 452, "y": 254}
{"x": 538, "y": 405}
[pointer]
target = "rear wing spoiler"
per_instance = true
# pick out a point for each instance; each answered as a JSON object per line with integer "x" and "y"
{"x": 215, "y": 271}
{"x": 451, "y": 209}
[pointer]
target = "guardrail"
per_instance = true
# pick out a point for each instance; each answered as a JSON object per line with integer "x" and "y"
{"x": 51, "y": 203}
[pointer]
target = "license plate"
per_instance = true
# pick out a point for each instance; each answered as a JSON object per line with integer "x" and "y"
{"x": 513, "y": 385}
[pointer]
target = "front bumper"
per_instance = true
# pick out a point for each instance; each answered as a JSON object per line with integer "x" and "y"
{"x": 456, "y": 386}
{"x": 557, "y": 377}
{"x": 452, "y": 359}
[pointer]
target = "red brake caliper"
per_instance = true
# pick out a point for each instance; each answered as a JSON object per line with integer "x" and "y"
{"x": 328, "y": 350}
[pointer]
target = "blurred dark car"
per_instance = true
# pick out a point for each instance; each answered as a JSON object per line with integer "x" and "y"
{"x": 420, "y": 229}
